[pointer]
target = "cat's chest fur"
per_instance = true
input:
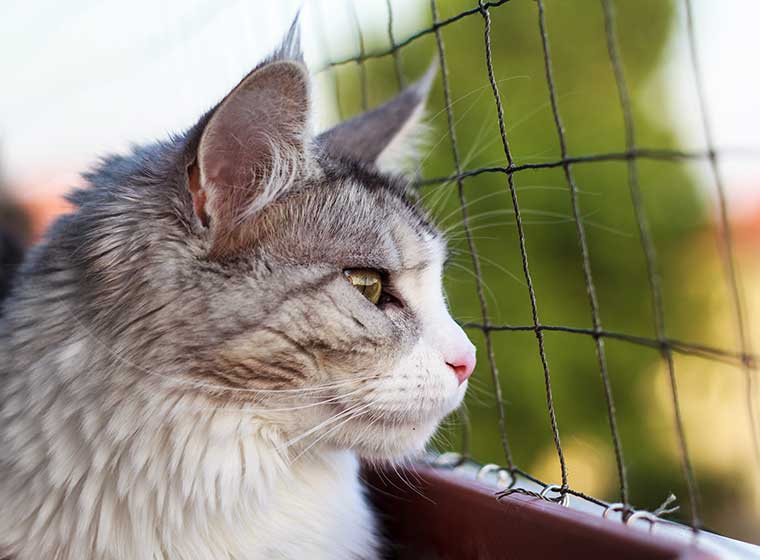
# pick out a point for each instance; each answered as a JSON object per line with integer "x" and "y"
{"x": 92, "y": 478}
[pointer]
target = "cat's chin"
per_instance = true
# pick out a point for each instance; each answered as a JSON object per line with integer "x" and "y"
{"x": 394, "y": 437}
{"x": 384, "y": 442}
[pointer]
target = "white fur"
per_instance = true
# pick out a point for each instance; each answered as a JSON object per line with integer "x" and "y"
{"x": 103, "y": 476}
{"x": 402, "y": 154}
{"x": 421, "y": 388}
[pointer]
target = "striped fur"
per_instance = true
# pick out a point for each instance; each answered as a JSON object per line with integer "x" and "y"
{"x": 185, "y": 372}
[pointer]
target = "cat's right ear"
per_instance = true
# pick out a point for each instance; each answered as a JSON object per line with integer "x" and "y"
{"x": 251, "y": 146}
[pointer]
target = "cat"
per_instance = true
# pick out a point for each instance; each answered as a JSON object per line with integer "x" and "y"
{"x": 195, "y": 360}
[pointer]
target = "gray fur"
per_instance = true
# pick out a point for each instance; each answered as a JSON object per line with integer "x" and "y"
{"x": 126, "y": 301}
{"x": 130, "y": 268}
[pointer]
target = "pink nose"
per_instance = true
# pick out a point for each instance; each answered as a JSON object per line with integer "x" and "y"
{"x": 463, "y": 365}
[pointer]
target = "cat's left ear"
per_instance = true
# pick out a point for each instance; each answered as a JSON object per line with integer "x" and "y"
{"x": 387, "y": 137}
{"x": 251, "y": 146}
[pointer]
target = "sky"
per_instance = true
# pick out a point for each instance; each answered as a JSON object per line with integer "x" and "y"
{"x": 727, "y": 44}
{"x": 83, "y": 78}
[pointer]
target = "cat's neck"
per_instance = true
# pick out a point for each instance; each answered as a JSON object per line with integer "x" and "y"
{"x": 103, "y": 473}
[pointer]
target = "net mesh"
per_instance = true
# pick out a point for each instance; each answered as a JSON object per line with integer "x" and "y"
{"x": 632, "y": 155}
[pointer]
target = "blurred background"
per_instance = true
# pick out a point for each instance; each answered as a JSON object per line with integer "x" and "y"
{"x": 84, "y": 78}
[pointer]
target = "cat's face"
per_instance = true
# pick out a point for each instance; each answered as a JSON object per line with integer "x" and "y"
{"x": 356, "y": 343}
{"x": 352, "y": 342}
{"x": 299, "y": 283}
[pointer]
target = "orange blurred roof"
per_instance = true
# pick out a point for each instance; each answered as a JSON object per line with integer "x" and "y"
{"x": 43, "y": 199}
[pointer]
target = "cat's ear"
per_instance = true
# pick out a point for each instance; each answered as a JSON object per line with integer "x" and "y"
{"x": 389, "y": 136}
{"x": 252, "y": 145}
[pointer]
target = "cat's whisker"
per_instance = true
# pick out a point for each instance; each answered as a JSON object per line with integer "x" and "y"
{"x": 441, "y": 198}
{"x": 479, "y": 90}
{"x": 482, "y": 280}
{"x": 442, "y": 137}
{"x": 374, "y": 419}
{"x": 460, "y": 238}
{"x": 469, "y": 203}
{"x": 449, "y": 423}
{"x": 554, "y": 188}
{"x": 476, "y": 150}
{"x": 479, "y": 146}
{"x": 442, "y": 192}
{"x": 477, "y": 217}
{"x": 558, "y": 220}
{"x": 478, "y": 393}
{"x": 411, "y": 464}
{"x": 493, "y": 263}
{"x": 334, "y": 418}
{"x": 443, "y": 188}
{"x": 327, "y": 434}
{"x": 510, "y": 212}
{"x": 542, "y": 107}
{"x": 249, "y": 409}
{"x": 349, "y": 414}
{"x": 403, "y": 478}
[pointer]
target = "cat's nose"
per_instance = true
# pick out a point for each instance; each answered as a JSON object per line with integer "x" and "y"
{"x": 455, "y": 348}
{"x": 463, "y": 364}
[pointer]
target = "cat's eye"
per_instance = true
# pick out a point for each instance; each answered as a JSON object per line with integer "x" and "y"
{"x": 368, "y": 282}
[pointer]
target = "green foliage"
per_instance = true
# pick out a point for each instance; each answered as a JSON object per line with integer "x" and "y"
{"x": 593, "y": 120}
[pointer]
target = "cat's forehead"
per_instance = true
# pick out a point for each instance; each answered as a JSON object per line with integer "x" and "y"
{"x": 354, "y": 220}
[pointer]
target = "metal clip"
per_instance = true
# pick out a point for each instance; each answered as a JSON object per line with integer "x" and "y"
{"x": 645, "y": 515}
{"x": 612, "y": 508}
{"x": 565, "y": 501}
{"x": 504, "y": 477}
{"x": 448, "y": 459}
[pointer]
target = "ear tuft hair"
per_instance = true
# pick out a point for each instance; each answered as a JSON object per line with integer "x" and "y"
{"x": 290, "y": 47}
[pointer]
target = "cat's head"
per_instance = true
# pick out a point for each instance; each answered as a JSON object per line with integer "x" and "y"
{"x": 305, "y": 284}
